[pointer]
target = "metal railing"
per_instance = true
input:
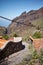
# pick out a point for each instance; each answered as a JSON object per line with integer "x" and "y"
{"x": 16, "y": 22}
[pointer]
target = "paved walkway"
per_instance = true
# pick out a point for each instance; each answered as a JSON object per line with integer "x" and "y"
{"x": 18, "y": 56}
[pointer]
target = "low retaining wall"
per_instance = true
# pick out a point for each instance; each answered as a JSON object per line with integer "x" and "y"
{"x": 37, "y": 43}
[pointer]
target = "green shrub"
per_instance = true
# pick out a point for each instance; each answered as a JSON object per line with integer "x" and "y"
{"x": 6, "y": 37}
{"x": 41, "y": 57}
{"x": 15, "y": 35}
{"x": 33, "y": 59}
{"x": 36, "y": 58}
{"x": 37, "y": 35}
{"x": 35, "y": 55}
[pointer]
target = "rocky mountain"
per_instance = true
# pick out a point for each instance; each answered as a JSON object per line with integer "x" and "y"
{"x": 3, "y": 30}
{"x": 24, "y": 21}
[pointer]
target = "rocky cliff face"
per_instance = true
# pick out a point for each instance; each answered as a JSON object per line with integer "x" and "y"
{"x": 25, "y": 18}
{"x": 3, "y": 30}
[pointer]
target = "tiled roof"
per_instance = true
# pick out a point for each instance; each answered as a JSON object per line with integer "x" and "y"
{"x": 1, "y": 37}
{"x": 2, "y": 42}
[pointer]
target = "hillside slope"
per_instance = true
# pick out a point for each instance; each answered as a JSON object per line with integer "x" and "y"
{"x": 3, "y": 30}
{"x": 31, "y": 18}
{"x": 38, "y": 23}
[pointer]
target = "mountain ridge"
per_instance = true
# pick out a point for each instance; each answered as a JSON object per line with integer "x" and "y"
{"x": 25, "y": 18}
{"x": 26, "y": 22}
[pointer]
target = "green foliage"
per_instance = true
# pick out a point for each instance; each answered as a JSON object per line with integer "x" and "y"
{"x": 26, "y": 38}
{"x": 37, "y": 35}
{"x": 38, "y": 23}
{"x": 6, "y": 37}
{"x": 36, "y": 58}
{"x": 41, "y": 57}
{"x": 33, "y": 59}
{"x": 15, "y": 35}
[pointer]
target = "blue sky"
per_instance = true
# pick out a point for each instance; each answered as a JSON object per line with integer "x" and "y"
{"x": 13, "y": 8}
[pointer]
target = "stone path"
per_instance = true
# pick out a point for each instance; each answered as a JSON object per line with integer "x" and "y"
{"x": 18, "y": 56}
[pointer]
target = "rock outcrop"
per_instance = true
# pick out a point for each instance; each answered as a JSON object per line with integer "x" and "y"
{"x": 3, "y": 31}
